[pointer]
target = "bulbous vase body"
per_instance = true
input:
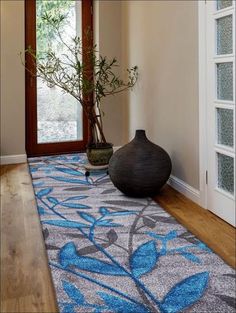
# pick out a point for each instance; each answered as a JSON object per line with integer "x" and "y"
{"x": 140, "y": 168}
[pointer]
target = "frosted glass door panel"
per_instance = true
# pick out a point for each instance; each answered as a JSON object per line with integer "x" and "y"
{"x": 225, "y": 173}
{"x": 224, "y": 35}
{"x": 220, "y": 106}
{"x": 225, "y": 81}
{"x": 59, "y": 115}
{"x": 222, "y": 4}
{"x": 225, "y": 127}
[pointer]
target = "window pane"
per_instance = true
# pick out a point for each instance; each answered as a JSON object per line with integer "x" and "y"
{"x": 59, "y": 115}
{"x": 224, "y": 35}
{"x": 225, "y": 81}
{"x": 225, "y": 129}
{"x": 225, "y": 173}
{"x": 221, "y": 4}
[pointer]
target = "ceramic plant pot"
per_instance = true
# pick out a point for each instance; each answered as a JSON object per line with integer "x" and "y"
{"x": 140, "y": 168}
{"x": 99, "y": 154}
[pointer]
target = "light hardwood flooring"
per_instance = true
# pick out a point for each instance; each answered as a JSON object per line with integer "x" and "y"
{"x": 26, "y": 284}
{"x": 216, "y": 233}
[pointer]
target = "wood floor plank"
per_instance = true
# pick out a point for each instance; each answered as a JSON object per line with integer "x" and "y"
{"x": 26, "y": 284}
{"x": 216, "y": 233}
{"x": 25, "y": 277}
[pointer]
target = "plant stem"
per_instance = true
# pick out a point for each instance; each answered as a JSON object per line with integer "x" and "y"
{"x": 130, "y": 251}
{"x": 100, "y": 284}
{"x": 136, "y": 280}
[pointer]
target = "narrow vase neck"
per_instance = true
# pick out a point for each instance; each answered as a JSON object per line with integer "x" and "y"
{"x": 140, "y": 134}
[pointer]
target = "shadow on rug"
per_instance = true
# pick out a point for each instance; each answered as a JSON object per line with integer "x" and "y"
{"x": 111, "y": 253}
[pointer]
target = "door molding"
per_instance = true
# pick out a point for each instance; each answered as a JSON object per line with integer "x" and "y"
{"x": 206, "y": 60}
{"x": 202, "y": 94}
{"x": 32, "y": 147}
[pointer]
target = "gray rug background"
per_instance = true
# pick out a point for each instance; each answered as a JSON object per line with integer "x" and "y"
{"x": 137, "y": 234}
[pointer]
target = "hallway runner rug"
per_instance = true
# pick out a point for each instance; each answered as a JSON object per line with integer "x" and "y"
{"x": 111, "y": 253}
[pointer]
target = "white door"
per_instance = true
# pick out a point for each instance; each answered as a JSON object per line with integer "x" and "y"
{"x": 220, "y": 42}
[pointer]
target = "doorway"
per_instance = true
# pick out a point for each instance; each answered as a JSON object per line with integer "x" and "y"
{"x": 220, "y": 108}
{"x": 55, "y": 121}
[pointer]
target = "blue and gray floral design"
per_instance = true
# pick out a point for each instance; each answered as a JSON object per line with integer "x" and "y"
{"x": 111, "y": 253}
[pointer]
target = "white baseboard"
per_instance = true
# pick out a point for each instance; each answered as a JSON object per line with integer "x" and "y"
{"x": 13, "y": 159}
{"x": 115, "y": 148}
{"x": 185, "y": 189}
{"x": 173, "y": 181}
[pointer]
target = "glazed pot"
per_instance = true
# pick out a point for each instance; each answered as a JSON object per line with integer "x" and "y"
{"x": 100, "y": 153}
{"x": 140, "y": 168}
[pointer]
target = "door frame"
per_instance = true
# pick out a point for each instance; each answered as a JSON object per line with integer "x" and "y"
{"x": 202, "y": 94}
{"x": 203, "y": 106}
{"x": 32, "y": 147}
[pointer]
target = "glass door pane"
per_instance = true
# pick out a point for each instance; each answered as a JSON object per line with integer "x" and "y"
{"x": 225, "y": 173}
{"x": 225, "y": 81}
{"x": 225, "y": 35}
{"x": 225, "y": 127}
{"x": 59, "y": 115}
{"x": 222, "y": 4}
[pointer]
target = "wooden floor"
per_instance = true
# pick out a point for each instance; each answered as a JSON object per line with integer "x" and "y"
{"x": 216, "y": 233}
{"x": 26, "y": 284}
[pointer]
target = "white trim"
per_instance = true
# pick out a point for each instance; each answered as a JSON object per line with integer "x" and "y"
{"x": 217, "y": 201}
{"x": 223, "y": 12}
{"x": 187, "y": 190}
{"x": 223, "y": 59}
{"x": 115, "y": 148}
{"x": 13, "y": 159}
{"x": 202, "y": 79}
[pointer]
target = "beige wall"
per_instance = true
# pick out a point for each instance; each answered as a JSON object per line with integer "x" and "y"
{"x": 108, "y": 37}
{"x": 12, "y": 78}
{"x": 108, "y": 23}
{"x": 161, "y": 37}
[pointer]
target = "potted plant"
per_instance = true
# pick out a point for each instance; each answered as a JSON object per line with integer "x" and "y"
{"x": 88, "y": 77}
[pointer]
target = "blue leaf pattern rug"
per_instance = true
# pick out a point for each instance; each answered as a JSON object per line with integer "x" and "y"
{"x": 110, "y": 253}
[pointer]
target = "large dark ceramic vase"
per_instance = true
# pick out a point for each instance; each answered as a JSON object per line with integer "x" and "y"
{"x": 140, "y": 168}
